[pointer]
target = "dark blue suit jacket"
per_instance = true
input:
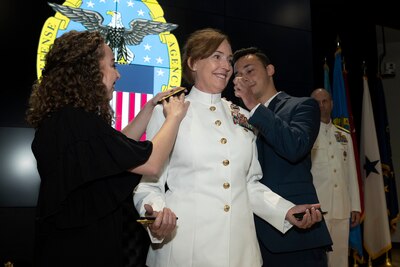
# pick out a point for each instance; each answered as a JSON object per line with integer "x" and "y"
{"x": 287, "y": 131}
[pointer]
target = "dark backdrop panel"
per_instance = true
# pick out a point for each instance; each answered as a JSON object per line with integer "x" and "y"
{"x": 21, "y": 24}
{"x": 285, "y": 13}
{"x": 289, "y": 49}
{"x": 206, "y": 6}
{"x": 190, "y": 20}
{"x": 355, "y": 28}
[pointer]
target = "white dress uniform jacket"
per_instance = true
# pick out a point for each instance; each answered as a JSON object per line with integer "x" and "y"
{"x": 334, "y": 172}
{"x": 212, "y": 180}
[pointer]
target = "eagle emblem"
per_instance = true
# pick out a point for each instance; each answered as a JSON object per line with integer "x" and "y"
{"x": 116, "y": 35}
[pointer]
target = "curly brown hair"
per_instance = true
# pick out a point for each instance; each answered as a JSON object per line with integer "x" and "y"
{"x": 72, "y": 77}
{"x": 200, "y": 44}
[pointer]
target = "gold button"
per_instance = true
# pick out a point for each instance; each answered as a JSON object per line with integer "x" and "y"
{"x": 330, "y": 143}
{"x": 226, "y": 185}
{"x": 334, "y": 170}
{"x": 218, "y": 122}
{"x": 212, "y": 108}
{"x": 223, "y": 141}
{"x": 226, "y": 208}
{"x": 335, "y": 185}
{"x": 225, "y": 162}
{"x": 332, "y": 157}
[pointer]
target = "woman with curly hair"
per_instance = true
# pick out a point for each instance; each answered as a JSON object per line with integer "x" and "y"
{"x": 87, "y": 168}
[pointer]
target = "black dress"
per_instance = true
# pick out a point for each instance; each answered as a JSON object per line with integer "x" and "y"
{"x": 82, "y": 162}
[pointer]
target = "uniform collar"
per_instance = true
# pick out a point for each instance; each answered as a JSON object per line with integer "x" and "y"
{"x": 204, "y": 98}
{"x": 325, "y": 127}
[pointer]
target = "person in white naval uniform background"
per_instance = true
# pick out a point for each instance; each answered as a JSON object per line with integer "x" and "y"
{"x": 335, "y": 179}
{"x": 212, "y": 175}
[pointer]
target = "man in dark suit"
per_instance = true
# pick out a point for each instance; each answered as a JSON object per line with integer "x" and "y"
{"x": 287, "y": 128}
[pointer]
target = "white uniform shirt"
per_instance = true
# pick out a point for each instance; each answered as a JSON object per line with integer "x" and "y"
{"x": 212, "y": 176}
{"x": 334, "y": 172}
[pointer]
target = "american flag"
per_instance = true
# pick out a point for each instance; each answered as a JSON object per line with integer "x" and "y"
{"x": 126, "y": 106}
{"x": 132, "y": 91}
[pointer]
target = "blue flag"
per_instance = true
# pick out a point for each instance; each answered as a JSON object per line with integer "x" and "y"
{"x": 355, "y": 240}
{"x": 340, "y": 114}
{"x": 341, "y": 117}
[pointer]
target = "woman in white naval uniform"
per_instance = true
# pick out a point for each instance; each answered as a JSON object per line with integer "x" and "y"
{"x": 213, "y": 172}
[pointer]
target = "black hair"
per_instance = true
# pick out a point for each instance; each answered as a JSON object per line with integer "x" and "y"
{"x": 251, "y": 51}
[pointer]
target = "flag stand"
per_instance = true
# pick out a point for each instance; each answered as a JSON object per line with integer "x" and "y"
{"x": 355, "y": 264}
{"x": 369, "y": 261}
{"x": 387, "y": 261}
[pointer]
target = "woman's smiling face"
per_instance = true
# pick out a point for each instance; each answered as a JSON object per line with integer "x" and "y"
{"x": 213, "y": 73}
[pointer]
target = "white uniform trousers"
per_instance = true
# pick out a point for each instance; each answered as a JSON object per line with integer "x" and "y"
{"x": 339, "y": 230}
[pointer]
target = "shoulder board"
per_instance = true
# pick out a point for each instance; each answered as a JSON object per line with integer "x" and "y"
{"x": 341, "y": 128}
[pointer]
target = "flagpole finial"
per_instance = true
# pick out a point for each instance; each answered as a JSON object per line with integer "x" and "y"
{"x": 337, "y": 41}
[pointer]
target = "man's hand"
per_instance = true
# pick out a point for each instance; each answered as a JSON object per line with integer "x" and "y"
{"x": 355, "y": 218}
{"x": 242, "y": 89}
{"x": 312, "y": 215}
